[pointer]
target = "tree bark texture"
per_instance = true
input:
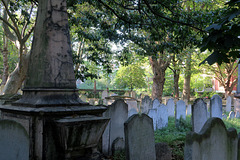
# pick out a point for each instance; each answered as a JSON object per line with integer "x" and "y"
{"x": 5, "y": 66}
{"x": 159, "y": 67}
{"x": 187, "y": 80}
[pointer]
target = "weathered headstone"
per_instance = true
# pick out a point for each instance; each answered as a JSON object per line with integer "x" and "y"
{"x": 236, "y": 104}
{"x": 104, "y": 94}
{"x": 189, "y": 109}
{"x": 199, "y": 114}
{"x": 180, "y": 110}
{"x": 146, "y": 104}
{"x": 162, "y": 116}
{"x": 132, "y": 111}
{"x": 237, "y": 114}
{"x": 156, "y": 103}
{"x": 231, "y": 115}
{"x": 216, "y": 106}
{"x": 14, "y": 141}
{"x": 171, "y": 107}
{"x": 132, "y": 103}
{"x": 152, "y": 113}
{"x": 228, "y": 104}
{"x": 118, "y": 145}
{"x": 139, "y": 138}
{"x": 214, "y": 142}
{"x": 118, "y": 113}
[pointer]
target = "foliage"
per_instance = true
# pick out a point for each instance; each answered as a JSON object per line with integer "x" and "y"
{"x": 223, "y": 36}
{"x": 131, "y": 76}
{"x": 168, "y": 85}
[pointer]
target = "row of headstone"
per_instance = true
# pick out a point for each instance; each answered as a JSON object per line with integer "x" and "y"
{"x": 134, "y": 134}
{"x": 213, "y": 142}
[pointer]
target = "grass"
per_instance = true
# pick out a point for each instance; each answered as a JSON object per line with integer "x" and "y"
{"x": 175, "y": 137}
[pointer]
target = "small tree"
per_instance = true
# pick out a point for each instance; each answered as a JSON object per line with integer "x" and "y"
{"x": 131, "y": 76}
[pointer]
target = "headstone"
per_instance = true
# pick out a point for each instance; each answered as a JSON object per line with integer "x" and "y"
{"x": 156, "y": 103}
{"x": 163, "y": 151}
{"x": 189, "y": 109}
{"x": 132, "y": 103}
{"x": 118, "y": 113}
{"x": 231, "y": 115}
{"x": 180, "y": 110}
{"x": 132, "y": 111}
{"x": 171, "y": 107}
{"x": 152, "y": 113}
{"x": 214, "y": 142}
{"x": 14, "y": 141}
{"x": 146, "y": 104}
{"x": 237, "y": 114}
{"x": 104, "y": 94}
{"x": 236, "y": 104}
{"x": 216, "y": 106}
{"x": 118, "y": 145}
{"x": 199, "y": 114}
{"x": 228, "y": 104}
{"x": 139, "y": 138}
{"x": 162, "y": 116}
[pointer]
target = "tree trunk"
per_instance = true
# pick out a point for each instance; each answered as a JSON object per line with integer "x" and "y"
{"x": 187, "y": 80}
{"x": 159, "y": 67}
{"x": 176, "y": 86}
{"x": 5, "y": 66}
{"x": 17, "y": 77}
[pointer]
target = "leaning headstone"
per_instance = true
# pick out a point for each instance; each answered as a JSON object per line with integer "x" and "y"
{"x": 162, "y": 116}
{"x": 214, "y": 142}
{"x": 152, "y": 113}
{"x": 199, "y": 114}
{"x": 228, "y": 104}
{"x": 163, "y": 151}
{"x": 171, "y": 107}
{"x": 132, "y": 111}
{"x": 156, "y": 103}
{"x": 231, "y": 115}
{"x": 139, "y": 138}
{"x": 216, "y": 106}
{"x": 146, "y": 104}
{"x": 189, "y": 109}
{"x": 118, "y": 114}
{"x": 180, "y": 110}
{"x": 14, "y": 141}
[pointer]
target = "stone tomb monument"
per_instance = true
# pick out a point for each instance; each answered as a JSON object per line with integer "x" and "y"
{"x": 139, "y": 138}
{"x": 214, "y": 142}
{"x": 57, "y": 123}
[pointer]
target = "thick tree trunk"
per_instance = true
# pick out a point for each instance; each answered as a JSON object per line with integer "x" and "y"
{"x": 17, "y": 77}
{"x": 187, "y": 80}
{"x": 159, "y": 67}
{"x": 5, "y": 66}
